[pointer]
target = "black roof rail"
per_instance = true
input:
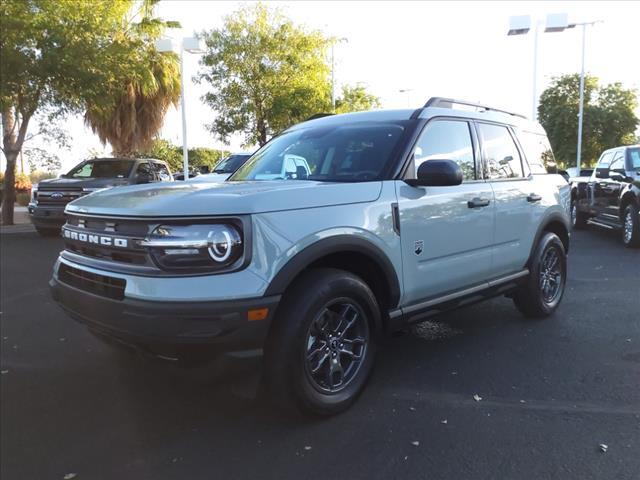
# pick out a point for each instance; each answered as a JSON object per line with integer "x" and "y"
{"x": 442, "y": 102}
{"x": 319, "y": 115}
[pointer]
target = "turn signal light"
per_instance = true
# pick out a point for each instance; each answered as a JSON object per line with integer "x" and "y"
{"x": 257, "y": 314}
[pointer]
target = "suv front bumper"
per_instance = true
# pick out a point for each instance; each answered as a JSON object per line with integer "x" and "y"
{"x": 46, "y": 217}
{"x": 169, "y": 328}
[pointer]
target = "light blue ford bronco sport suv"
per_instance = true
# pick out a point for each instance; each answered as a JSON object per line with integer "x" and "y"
{"x": 339, "y": 230}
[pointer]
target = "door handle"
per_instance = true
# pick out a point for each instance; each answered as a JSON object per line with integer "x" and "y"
{"x": 478, "y": 203}
{"x": 534, "y": 197}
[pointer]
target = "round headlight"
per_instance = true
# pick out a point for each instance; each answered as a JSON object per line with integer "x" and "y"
{"x": 221, "y": 244}
{"x": 195, "y": 247}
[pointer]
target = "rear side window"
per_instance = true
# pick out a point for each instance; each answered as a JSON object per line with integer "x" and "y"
{"x": 500, "y": 152}
{"x": 447, "y": 140}
{"x": 538, "y": 153}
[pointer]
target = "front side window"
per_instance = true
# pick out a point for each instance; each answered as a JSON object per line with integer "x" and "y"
{"x": 634, "y": 155}
{"x": 163, "y": 172}
{"x": 538, "y": 152}
{"x": 101, "y": 169}
{"x": 336, "y": 153}
{"x": 447, "y": 140}
{"x": 605, "y": 160}
{"x": 230, "y": 164}
{"x": 500, "y": 151}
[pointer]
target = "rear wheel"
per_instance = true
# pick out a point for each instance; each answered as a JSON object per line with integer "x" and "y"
{"x": 631, "y": 226}
{"x": 578, "y": 218}
{"x": 321, "y": 348}
{"x": 542, "y": 293}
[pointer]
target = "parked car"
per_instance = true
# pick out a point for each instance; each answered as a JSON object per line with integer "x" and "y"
{"x": 225, "y": 168}
{"x": 388, "y": 217}
{"x": 49, "y": 197}
{"x": 610, "y": 198}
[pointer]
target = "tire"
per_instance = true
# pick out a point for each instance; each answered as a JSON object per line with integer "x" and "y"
{"x": 309, "y": 333}
{"x": 578, "y": 218}
{"x": 543, "y": 291}
{"x": 631, "y": 226}
{"x": 48, "y": 232}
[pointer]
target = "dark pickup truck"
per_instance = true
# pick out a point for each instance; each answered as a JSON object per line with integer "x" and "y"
{"x": 50, "y": 197}
{"x": 610, "y": 198}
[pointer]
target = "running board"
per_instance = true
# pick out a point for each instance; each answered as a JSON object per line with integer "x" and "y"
{"x": 599, "y": 223}
{"x": 421, "y": 311}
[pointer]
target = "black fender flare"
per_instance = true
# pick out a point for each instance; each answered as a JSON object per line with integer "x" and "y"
{"x": 553, "y": 217}
{"x": 328, "y": 246}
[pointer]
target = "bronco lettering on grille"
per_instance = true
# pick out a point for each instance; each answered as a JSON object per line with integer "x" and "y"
{"x": 96, "y": 239}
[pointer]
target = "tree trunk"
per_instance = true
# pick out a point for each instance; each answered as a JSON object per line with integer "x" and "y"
{"x": 12, "y": 144}
{"x": 9, "y": 190}
{"x": 262, "y": 131}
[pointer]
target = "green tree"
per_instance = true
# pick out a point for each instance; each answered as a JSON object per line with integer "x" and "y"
{"x": 609, "y": 119}
{"x": 76, "y": 56}
{"x": 356, "y": 99}
{"x": 265, "y": 72}
{"x": 49, "y": 51}
{"x": 172, "y": 154}
{"x": 135, "y": 108}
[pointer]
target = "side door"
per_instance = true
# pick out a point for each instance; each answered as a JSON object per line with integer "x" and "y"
{"x": 611, "y": 189}
{"x": 446, "y": 232}
{"x": 517, "y": 195}
{"x": 598, "y": 182}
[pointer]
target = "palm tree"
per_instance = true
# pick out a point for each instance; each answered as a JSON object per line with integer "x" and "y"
{"x": 134, "y": 113}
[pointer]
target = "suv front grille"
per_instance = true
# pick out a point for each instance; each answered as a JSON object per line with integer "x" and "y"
{"x": 101, "y": 285}
{"x": 83, "y": 235}
{"x": 58, "y": 197}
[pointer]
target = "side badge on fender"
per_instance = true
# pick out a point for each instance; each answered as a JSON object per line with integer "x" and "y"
{"x": 418, "y": 246}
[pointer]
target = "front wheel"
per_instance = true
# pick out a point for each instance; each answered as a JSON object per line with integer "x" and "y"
{"x": 542, "y": 293}
{"x": 631, "y": 226}
{"x": 321, "y": 348}
{"x": 578, "y": 218}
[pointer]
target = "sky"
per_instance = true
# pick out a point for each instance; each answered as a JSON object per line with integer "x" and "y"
{"x": 449, "y": 49}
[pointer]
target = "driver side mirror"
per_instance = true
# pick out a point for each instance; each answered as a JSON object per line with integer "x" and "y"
{"x": 437, "y": 173}
{"x": 617, "y": 176}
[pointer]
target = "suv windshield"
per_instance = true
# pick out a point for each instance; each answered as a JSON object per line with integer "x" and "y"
{"x": 101, "y": 169}
{"x": 336, "y": 153}
{"x": 230, "y": 164}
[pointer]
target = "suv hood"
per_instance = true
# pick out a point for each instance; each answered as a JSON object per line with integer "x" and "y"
{"x": 177, "y": 199}
{"x": 61, "y": 183}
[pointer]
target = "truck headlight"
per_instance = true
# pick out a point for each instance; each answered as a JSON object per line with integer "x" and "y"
{"x": 195, "y": 247}
{"x": 34, "y": 193}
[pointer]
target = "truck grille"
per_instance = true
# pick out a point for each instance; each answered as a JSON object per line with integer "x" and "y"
{"x": 101, "y": 285}
{"x": 58, "y": 197}
{"x": 83, "y": 235}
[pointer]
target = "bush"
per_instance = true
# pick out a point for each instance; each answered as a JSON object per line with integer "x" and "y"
{"x": 23, "y": 198}
{"x": 38, "y": 175}
{"x": 22, "y": 182}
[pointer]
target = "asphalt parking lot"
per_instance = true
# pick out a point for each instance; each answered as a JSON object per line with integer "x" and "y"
{"x": 551, "y": 393}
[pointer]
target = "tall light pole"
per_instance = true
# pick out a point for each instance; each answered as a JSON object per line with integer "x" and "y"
{"x": 557, "y": 22}
{"x": 408, "y": 92}
{"x": 191, "y": 45}
{"x": 333, "y": 69}
{"x": 581, "y": 107}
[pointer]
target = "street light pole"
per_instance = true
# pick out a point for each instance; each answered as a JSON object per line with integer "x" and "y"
{"x": 183, "y": 107}
{"x": 581, "y": 107}
{"x": 190, "y": 45}
{"x": 333, "y": 78}
{"x": 534, "y": 103}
